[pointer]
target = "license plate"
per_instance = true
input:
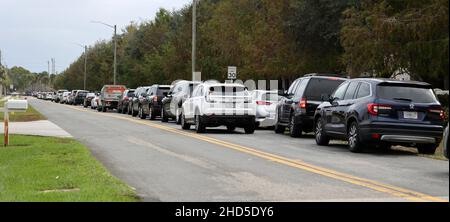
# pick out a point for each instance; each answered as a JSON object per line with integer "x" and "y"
{"x": 410, "y": 115}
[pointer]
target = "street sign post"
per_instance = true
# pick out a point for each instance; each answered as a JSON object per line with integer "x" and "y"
{"x": 232, "y": 72}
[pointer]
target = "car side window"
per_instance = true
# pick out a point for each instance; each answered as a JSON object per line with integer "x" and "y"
{"x": 350, "y": 93}
{"x": 291, "y": 89}
{"x": 363, "y": 91}
{"x": 301, "y": 88}
{"x": 340, "y": 92}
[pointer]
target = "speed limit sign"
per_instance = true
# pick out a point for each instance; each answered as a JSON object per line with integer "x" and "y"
{"x": 232, "y": 72}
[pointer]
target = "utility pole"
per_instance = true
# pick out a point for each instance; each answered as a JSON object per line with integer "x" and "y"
{"x": 115, "y": 53}
{"x": 85, "y": 62}
{"x": 115, "y": 46}
{"x": 194, "y": 36}
{"x": 85, "y": 65}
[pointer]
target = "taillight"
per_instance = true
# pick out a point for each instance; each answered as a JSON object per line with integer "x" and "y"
{"x": 155, "y": 99}
{"x": 263, "y": 103}
{"x": 303, "y": 103}
{"x": 125, "y": 97}
{"x": 438, "y": 111}
{"x": 374, "y": 109}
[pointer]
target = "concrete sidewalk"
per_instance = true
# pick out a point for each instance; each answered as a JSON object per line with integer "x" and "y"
{"x": 36, "y": 128}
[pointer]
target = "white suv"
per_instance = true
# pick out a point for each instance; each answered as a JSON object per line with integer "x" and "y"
{"x": 218, "y": 104}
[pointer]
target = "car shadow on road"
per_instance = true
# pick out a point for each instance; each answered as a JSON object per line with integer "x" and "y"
{"x": 373, "y": 150}
{"x": 221, "y": 131}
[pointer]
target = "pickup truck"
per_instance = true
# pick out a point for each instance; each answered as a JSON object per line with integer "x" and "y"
{"x": 109, "y": 97}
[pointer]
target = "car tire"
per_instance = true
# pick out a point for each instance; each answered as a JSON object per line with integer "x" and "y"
{"x": 295, "y": 130}
{"x": 428, "y": 149}
{"x": 130, "y": 109}
{"x": 152, "y": 113}
{"x": 354, "y": 141}
{"x": 250, "y": 129}
{"x": 164, "y": 118}
{"x": 178, "y": 117}
{"x": 279, "y": 129}
{"x": 184, "y": 124}
{"x": 199, "y": 126}
{"x": 133, "y": 113}
{"x": 143, "y": 115}
{"x": 104, "y": 109}
{"x": 321, "y": 138}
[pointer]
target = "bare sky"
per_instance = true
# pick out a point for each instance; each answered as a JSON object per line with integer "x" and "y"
{"x": 33, "y": 31}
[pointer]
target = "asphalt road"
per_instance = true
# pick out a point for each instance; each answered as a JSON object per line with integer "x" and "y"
{"x": 164, "y": 163}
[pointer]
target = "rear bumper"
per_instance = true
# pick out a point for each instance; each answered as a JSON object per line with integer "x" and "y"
{"x": 402, "y": 133}
{"x": 306, "y": 122}
{"x": 265, "y": 122}
{"x": 233, "y": 120}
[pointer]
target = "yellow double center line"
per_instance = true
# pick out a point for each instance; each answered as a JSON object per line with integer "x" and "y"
{"x": 370, "y": 184}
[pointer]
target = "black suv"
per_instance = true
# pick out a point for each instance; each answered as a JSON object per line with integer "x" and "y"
{"x": 124, "y": 101}
{"x": 135, "y": 100}
{"x": 79, "y": 97}
{"x": 171, "y": 104}
{"x": 296, "y": 109}
{"x": 151, "y": 103}
{"x": 381, "y": 112}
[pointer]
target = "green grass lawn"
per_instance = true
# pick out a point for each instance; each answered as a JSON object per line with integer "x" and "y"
{"x": 30, "y": 115}
{"x": 42, "y": 169}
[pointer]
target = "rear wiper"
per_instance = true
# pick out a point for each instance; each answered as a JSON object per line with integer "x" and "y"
{"x": 404, "y": 99}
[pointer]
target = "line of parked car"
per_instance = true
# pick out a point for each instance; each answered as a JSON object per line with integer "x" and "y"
{"x": 366, "y": 112}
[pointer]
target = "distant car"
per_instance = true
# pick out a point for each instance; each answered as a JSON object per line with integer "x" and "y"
{"x": 137, "y": 100}
{"x": 266, "y": 103}
{"x": 87, "y": 100}
{"x": 151, "y": 104}
{"x": 171, "y": 104}
{"x": 65, "y": 97}
{"x": 95, "y": 101}
{"x": 381, "y": 112}
{"x": 71, "y": 98}
{"x": 58, "y": 96}
{"x": 296, "y": 109}
{"x": 446, "y": 142}
{"x": 124, "y": 101}
{"x": 218, "y": 104}
{"x": 109, "y": 97}
{"x": 79, "y": 97}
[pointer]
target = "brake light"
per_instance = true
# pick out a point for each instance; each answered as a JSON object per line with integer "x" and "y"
{"x": 303, "y": 103}
{"x": 374, "y": 109}
{"x": 263, "y": 103}
{"x": 440, "y": 112}
{"x": 155, "y": 99}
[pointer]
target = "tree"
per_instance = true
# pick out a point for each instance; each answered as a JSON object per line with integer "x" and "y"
{"x": 385, "y": 36}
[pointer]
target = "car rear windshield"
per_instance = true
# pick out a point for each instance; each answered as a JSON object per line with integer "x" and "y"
{"x": 321, "y": 86}
{"x": 408, "y": 93}
{"x": 82, "y": 93}
{"x": 162, "y": 90}
{"x": 228, "y": 91}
